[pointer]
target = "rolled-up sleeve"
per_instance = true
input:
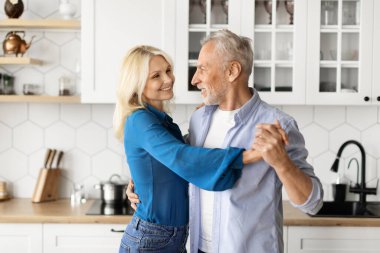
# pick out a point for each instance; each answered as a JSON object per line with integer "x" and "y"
{"x": 298, "y": 154}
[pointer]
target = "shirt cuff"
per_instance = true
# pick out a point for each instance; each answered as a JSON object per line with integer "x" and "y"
{"x": 315, "y": 200}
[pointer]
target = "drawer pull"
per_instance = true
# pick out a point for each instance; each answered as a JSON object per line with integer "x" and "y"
{"x": 117, "y": 231}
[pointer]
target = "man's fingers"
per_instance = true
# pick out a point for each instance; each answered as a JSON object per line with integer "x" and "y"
{"x": 284, "y": 136}
{"x": 273, "y": 128}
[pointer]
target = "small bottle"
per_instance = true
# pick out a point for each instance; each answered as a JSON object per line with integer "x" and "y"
{"x": 77, "y": 195}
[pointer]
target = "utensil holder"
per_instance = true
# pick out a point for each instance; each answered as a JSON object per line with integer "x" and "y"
{"x": 46, "y": 188}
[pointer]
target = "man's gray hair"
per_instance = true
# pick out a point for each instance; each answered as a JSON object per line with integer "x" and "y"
{"x": 233, "y": 48}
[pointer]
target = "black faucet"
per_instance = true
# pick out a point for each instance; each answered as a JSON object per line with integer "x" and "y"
{"x": 361, "y": 189}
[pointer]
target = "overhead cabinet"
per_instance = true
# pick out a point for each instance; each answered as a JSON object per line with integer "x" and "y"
{"x": 342, "y": 48}
{"x": 305, "y": 51}
{"x": 109, "y": 29}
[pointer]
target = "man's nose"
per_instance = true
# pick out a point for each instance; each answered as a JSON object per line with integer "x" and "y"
{"x": 195, "y": 80}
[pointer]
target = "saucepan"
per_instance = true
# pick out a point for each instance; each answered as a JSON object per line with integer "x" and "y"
{"x": 113, "y": 191}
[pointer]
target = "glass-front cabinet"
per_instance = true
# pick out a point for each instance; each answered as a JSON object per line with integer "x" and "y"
{"x": 305, "y": 51}
{"x": 278, "y": 30}
{"x": 198, "y": 18}
{"x": 340, "y": 54}
{"x": 276, "y": 27}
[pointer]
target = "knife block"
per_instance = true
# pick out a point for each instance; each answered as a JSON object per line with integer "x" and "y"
{"x": 46, "y": 188}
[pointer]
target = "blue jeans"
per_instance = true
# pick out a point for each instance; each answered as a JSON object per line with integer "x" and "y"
{"x": 142, "y": 236}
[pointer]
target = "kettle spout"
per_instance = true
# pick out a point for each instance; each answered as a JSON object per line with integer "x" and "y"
{"x": 27, "y": 46}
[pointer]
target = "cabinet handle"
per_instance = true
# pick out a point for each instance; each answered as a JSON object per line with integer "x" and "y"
{"x": 117, "y": 231}
{"x": 366, "y": 98}
{"x": 378, "y": 98}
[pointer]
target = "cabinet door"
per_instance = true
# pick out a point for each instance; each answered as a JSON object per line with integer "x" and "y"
{"x": 333, "y": 239}
{"x": 376, "y": 55}
{"x": 79, "y": 238}
{"x": 285, "y": 236}
{"x": 195, "y": 20}
{"x": 340, "y": 40}
{"x": 278, "y": 30}
{"x": 109, "y": 29}
{"x": 21, "y": 238}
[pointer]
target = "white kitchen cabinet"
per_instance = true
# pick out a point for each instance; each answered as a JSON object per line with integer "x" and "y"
{"x": 302, "y": 49}
{"x": 279, "y": 70}
{"x": 333, "y": 239}
{"x": 109, "y": 29}
{"x": 21, "y": 238}
{"x": 79, "y": 238}
{"x": 342, "y": 36}
{"x": 279, "y": 41}
{"x": 285, "y": 236}
{"x": 195, "y": 20}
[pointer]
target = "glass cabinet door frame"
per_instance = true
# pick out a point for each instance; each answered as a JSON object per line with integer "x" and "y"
{"x": 182, "y": 62}
{"x": 314, "y": 64}
{"x": 297, "y": 63}
{"x": 376, "y": 56}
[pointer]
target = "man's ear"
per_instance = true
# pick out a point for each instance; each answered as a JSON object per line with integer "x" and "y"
{"x": 234, "y": 70}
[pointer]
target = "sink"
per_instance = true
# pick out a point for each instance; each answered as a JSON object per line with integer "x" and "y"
{"x": 349, "y": 209}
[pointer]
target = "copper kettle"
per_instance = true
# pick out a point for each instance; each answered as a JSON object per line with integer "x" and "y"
{"x": 14, "y": 44}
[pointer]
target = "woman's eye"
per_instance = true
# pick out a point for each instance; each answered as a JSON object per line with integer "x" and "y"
{"x": 168, "y": 71}
{"x": 156, "y": 76}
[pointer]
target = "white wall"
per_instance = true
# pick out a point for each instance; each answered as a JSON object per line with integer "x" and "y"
{"x": 85, "y": 133}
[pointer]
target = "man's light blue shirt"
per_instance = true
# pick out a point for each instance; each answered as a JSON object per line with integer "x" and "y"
{"x": 249, "y": 218}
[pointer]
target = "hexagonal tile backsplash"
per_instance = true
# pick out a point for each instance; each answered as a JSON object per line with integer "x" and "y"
{"x": 92, "y": 154}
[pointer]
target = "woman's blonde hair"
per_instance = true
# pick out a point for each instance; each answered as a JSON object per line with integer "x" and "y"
{"x": 134, "y": 75}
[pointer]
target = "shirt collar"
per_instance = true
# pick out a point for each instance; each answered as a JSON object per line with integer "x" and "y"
{"x": 162, "y": 116}
{"x": 243, "y": 114}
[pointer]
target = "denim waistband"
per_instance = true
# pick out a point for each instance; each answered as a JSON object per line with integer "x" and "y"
{"x": 136, "y": 222}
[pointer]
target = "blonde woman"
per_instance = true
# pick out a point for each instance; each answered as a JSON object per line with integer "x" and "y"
{"x": 160, "y": 162}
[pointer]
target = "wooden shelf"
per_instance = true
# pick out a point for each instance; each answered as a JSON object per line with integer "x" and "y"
{"x": 19, "y": 61}
{"x": 60, "y": 24}
{"x": 40, "y": 99}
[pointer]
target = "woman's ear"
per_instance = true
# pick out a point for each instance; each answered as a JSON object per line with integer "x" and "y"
{"x": 234, "y": 70}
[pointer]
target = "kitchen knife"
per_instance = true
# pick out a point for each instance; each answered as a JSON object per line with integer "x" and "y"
{"x": 47, "y": 157}
{"x": 51, "y": 158}
{"x": 59, "y": 158}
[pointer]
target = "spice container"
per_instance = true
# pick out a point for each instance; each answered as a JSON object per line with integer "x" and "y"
{"x": 31, "y": 89}
{"x": 66, "y": 87}
{"x": 7, "y": 85}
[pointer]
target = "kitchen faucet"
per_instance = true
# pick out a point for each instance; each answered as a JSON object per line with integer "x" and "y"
{"x": 361, "y": 189}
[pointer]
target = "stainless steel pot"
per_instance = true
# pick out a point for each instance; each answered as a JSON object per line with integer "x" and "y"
{"x": 113, "y": 191}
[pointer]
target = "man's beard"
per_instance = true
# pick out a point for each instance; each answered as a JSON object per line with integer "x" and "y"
{"x": 213, "y": 97}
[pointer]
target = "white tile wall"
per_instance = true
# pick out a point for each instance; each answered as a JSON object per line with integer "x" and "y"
{"x": 85, "y": 133}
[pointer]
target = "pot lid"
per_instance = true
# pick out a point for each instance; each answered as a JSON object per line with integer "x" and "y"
{"x": 115, "y": 179}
